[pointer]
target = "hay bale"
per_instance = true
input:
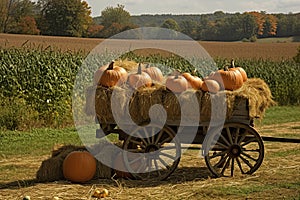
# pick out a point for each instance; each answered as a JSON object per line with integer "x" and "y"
{"x": 128, "y": 65}
{"x": 89, "y": 108}
{"x": 51, "y": 169}
{"x": 259, "y": 95}
{"x": 172, "y": 107}
{"x": 189, "y": 100}
{"x": 143, "y": 99}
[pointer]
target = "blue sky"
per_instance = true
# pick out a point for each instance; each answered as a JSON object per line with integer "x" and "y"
{"x": 137, "y": 7}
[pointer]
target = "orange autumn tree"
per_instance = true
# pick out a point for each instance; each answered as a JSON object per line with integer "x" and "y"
{"x": 266, "y": 23}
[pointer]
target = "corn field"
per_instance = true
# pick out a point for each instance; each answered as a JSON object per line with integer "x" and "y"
{"x": 36, "y": 84}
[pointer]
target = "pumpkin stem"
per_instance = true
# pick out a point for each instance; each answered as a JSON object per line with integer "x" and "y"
{"x": 147, "y": 66}
{"x": 139, "y": 69}
{"x": 232, "y": 65}
{"x": 176, "y": 76}
{"x": 110, "y": 66}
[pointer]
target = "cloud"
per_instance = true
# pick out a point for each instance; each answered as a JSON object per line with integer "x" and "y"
{"x": 136, "y": 7}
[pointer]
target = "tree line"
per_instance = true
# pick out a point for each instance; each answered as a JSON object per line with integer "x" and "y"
{"x": 73, "y": 18}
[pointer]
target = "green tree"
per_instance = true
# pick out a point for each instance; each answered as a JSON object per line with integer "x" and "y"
{"x": 115, "y": 20}
{"x": 13, "y": 12}
{"x": 115, "y": 15}
{"x": 170, "y": 24}
{"x": 65, "y": 17}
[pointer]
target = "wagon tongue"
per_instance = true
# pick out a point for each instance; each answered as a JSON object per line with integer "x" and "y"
{"x": 277, "y": 139}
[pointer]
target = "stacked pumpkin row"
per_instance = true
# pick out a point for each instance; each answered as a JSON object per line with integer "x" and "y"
{"x": 229, "y": 78}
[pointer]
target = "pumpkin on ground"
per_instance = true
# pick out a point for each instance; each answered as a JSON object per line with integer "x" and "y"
{"x": 139, "y": 79}
{"x": 177, "y": 83}
{"x": 155, "y": 73}
{"x": 79, "y": 166}
{"x": 110, "y": 75}
{"x": 211, "y": 86}
{"x": 228, "y": 79}
{"x": 194, "y": 81}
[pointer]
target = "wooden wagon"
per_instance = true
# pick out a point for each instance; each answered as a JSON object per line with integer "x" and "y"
{"x": 153, "y": 151}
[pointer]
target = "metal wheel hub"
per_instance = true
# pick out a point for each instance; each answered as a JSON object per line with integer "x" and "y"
{"x": 235, "y": 150}
{"x": 151, "y": 148}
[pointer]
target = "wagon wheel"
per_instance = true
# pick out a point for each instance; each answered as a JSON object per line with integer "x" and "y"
{"x": 151, "y": 153}
{"x": 107, "y": 127}
{"x": 238, "y": 150}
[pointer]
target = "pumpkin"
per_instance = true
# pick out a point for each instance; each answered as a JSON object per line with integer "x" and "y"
{"x": 120, "y": 168}
{"x": 110, "y": 75}
{"x": 155, "y": 73}
{"x": 177, "y": 83}
{"x": 194, "y": 81}
{"x": 211, "y": 86}
{"x": 139, "y": 79}
{"x": 79, "y": 166}
{"x": 228, "y": 79}
{"x": 240, "y": 69}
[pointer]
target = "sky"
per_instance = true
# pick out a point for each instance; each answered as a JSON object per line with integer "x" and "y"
{"x": 137, "y": 7}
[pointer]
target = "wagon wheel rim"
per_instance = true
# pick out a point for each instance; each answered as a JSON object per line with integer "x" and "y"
{"x": 238, "y": 150}
{"x": 152, "y": 153}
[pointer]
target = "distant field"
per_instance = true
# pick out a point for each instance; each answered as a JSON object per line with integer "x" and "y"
{"x": 271, "y": 50}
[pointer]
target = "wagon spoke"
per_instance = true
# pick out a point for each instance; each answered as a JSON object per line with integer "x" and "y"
{"x": 168, "y": 155}
{"x": 159, "y": 136}
{"x": 166, "y": 140}
{"x": 226, "y": 166}
{"x": 221, "y": 161}
{"x": 223, "y": 145}
{"x": 240, "y": 165}
{"x": 147, "y": 135}
{"x": 249, "y": 141}
{"x": 225, "y": 140}
{"x": 163, "y": 162}
{"x": 242, "y": 138}
{"x": 217, "y": 154}
{"x": 232, "y": 167}
{"x": 229, "y": 135}
{"x": 237, "y": 135}
{"x": 246, "y": 161}
{"x": 248, "y": 156}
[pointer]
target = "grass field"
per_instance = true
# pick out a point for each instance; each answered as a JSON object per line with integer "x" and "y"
{"x": 21, "y": 154}
{"x": 274, "y": 51}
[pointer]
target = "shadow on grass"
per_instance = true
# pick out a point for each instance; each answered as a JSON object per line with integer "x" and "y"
{"x": 181, "y": 175}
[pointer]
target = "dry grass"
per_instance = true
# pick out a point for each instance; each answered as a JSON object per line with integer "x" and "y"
{"x": 274, "y": 51}
{"x": 277, "y": 178}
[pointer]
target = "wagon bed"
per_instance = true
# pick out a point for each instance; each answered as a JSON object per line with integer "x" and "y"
{"x": 153, "y": 151}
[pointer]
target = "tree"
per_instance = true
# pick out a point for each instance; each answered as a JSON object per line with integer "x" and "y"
{"x": 65, "y": 17}
{"x": 13, "y": 12}
{"x": 115, "y": 15}
{"x": 115, "y": 20}
{"x": 170, "y": 24}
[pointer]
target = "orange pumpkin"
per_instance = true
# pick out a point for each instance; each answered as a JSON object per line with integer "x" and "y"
{"x": 228, "y": 79}
{"x": 110, "y": 75}
{"x": 120, "y": 168}
{"x": 79, "y": 166}
{"x": 177, "y": 83}
{"x": 194, "y": 81}
{"x": 240, "y": 69}
{"x": 211, "y": 86}
{"x": 139, "y": 79}
{"x": 155, "y": 73}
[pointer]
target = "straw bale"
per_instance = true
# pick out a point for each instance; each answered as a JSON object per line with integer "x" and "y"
{"x": 143, "y": 99}
{"x": 172, "y": 106}
{"x": 128, "y": 65}
{"x": 259, "y": 95}
{"x": 103, "y": 103}
{"x": 51, "y": 169}
{"x": 189, "y": 100}
{"x": 89, "y": 108}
